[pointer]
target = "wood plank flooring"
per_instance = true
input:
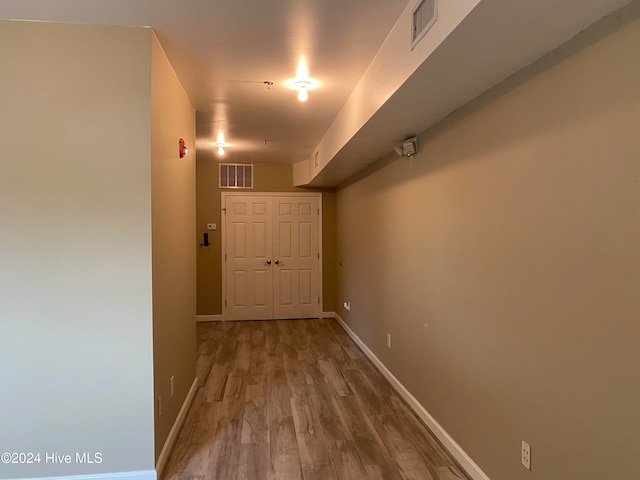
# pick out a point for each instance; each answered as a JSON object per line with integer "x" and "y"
{"x": 298, "y": 400}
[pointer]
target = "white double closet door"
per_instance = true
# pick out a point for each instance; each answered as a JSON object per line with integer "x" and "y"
{"x": 271, "y": 256}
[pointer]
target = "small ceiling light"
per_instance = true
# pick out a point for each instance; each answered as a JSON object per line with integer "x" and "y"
{"x": 302, "y": 83}
{"x": 302, "y": 86}
{"x": 220, "y": 143}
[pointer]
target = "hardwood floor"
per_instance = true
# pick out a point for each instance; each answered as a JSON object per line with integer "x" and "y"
{"x": 297, "y": 399}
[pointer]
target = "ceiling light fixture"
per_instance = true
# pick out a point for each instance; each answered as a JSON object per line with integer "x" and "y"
{"x": 302, "y": 83}
{"x": 302, "y": 86}
{"x": 220, "y": 143}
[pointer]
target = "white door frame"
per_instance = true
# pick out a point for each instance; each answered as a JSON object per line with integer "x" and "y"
{"x": 223, "y": 233}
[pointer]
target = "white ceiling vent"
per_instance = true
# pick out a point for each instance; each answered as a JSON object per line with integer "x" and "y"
{"x": 236, "y": 175}
{"x": 424, "y": 16}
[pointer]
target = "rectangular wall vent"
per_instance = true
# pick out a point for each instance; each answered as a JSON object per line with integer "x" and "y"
{"x": 424, "y": 16}
{"x": 236, "y": 175}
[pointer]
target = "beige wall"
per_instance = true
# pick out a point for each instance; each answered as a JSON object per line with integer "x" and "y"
{"x": 504, "y": 259}
{"x": 174, "y": 260}
{"x": 75, "y": 247}
{"x": 268, "y": 177}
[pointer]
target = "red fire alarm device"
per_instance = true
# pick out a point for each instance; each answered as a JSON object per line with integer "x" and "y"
{"x": 182, "y": 148}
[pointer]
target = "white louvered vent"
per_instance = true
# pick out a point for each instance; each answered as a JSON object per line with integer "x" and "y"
{"x": 424, "y": 16}
{"x": 236, "y": 175}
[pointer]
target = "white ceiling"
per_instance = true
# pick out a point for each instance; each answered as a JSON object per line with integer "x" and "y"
{"x": 492, "y": 41}
{"x": 223, "y": 51}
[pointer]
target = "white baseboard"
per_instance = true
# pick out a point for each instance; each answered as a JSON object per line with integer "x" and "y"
{"x": 447, "y": 441}
{"x": 138, "y": 475}
{"x": 208, "y": 318}
{"x": 218, "y": 318}
{"x": 175, "y": 430}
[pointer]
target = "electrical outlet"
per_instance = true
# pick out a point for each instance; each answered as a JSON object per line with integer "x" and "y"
{"x": 347, "y": 306}
{"x": 173, "y": 385}
{"x": 388, "y": 340}
{"x": 526, "y": 455}
{"x": 159, "y": 406}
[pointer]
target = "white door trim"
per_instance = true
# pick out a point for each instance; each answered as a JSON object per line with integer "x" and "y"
{"x": 223, "y": 233}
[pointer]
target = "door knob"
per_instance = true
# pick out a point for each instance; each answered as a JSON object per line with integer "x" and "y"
{"x": 268, "y": 262}
{"x": 277, "y": 262}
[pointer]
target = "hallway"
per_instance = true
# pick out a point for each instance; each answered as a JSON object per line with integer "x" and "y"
{"x": 297, "y": 399}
